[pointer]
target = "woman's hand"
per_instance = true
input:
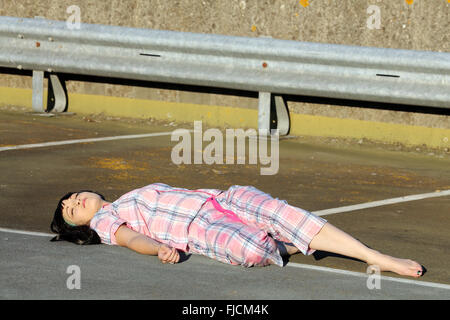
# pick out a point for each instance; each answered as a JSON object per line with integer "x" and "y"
{"x": 168, "y": 254}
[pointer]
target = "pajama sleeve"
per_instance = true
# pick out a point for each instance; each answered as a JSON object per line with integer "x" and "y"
{"x": 106, "y": 223}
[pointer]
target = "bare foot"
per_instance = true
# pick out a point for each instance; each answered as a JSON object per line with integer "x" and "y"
{"x": 404, "y": 267}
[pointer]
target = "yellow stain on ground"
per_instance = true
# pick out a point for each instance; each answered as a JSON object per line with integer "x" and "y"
{"x": 253, "y": 28}
{"x": 123, "y": 176}
{"x": 111, "y": 163}
{"x": 399, "y": 177}
{"x": 304, "y": 3}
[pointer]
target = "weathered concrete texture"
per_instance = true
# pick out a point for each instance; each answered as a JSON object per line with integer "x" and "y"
{"x": 421, "y": 26}
{"x": 418, "y": 25}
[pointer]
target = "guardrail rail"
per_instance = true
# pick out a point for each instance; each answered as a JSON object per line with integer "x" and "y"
{"x": 272, "y": 67}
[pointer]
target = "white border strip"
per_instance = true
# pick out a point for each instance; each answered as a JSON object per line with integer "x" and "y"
{"x": 382, "y": 202}
{"x": 65, "y": 142}
{"x": 364, "y": 275}
{"x": 30, "y": 233}
{"x": 290, "y": 264}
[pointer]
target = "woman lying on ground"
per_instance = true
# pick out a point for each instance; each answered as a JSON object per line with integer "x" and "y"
{"x": 240, "y": 226}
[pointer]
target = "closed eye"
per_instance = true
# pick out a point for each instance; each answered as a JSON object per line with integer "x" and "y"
{"x": 68, "y": 210}
{"x": 72, "y": 209}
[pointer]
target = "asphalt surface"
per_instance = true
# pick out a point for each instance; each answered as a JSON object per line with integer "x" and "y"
{"x": 117, "y": 273}
{"x": 313, "y": 174}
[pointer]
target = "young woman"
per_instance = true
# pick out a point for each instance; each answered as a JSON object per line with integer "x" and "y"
{"x": 240, "y": 226}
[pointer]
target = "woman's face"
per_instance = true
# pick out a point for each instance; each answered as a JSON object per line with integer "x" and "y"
{"x": 80, "y": 208}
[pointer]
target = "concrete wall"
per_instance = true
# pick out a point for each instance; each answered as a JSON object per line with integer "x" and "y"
{"x": 405, "y": 24}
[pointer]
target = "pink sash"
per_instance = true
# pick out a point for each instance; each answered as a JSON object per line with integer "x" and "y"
{"x": 216, "y": 204}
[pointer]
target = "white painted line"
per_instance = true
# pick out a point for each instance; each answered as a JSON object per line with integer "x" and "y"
{"x": 382, "y": 202}
{"x": 30, "y": 233}
{"x": 364, "y": 275}
{"x": 290, "y": 264}
{"x": 65, "y": 142}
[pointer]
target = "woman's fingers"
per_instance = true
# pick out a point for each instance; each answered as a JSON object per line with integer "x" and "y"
{"x": 168, "y": 255}
{"x": 163, "y": 253}
{"x": 176, "y": 256}
{"x": 173, "y": 256}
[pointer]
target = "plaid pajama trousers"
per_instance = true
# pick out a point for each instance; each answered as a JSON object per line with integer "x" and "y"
{"x": 250, "y": 242}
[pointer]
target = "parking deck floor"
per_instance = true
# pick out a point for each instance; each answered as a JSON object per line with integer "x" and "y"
{"x": 314, "y": 175}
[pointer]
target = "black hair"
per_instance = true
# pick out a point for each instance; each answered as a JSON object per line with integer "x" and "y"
{"x": 76, "y": 234}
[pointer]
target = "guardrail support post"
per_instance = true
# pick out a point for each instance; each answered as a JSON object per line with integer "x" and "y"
{"x": 57, "y": 97}
{"x": 272, "y": 113}
{"x": 38, "y": 91}
{"x": 282, "y": 116}
{"x": 264, "y": 103}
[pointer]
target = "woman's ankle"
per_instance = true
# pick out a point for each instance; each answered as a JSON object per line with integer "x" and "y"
{"x": 372, "y": 256}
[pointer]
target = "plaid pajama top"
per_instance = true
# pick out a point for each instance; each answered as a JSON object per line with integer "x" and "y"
{"x": 159, "y": 211}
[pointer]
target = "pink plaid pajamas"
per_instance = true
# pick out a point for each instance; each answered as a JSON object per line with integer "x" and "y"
{"x": 237, "y": 226}
{"x": 251, "y": 241}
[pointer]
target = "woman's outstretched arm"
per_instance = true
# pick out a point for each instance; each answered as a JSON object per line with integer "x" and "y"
{"x": 140, "y": 243}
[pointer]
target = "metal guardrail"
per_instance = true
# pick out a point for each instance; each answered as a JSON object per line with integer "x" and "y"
{"x": 269, "y": 66}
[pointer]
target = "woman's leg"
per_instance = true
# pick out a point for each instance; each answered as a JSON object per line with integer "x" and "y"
{"x": 332, "y": 239}
{"x": 307, "y": 231}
